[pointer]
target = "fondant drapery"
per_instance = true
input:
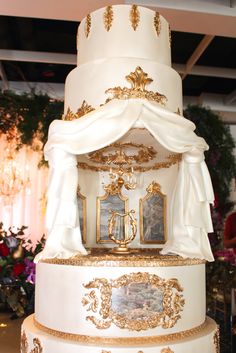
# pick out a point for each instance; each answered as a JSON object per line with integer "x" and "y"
{"x": 193, "y": 192}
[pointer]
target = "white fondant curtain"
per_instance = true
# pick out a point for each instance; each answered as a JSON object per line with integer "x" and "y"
{"x": 193, "y": 191}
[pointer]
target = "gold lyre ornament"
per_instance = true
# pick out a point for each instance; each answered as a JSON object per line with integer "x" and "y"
{"x": 122, "y": 247}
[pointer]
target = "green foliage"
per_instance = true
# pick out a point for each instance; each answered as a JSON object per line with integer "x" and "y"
{"x": 220, "y": 157}
{"x": 30, "y": 113}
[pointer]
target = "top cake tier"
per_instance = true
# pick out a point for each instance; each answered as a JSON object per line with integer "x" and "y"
{"x": 128, "y": 31}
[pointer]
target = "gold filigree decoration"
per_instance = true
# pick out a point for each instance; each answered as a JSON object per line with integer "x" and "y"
{"x": 138, "y": 79}
{"x": 108, "y": 18}
{"x": 37, "y": 346}
{"x": 24, "y": 345}
{"x": 157, "y": 23}
{"x": 170, "y": 40}
{"x": 173, "y": 302}
{"x": 85, "y": 108}
{"x": 178, "y": 112}
{"x": 154, "y": 188}
{"x": 128, "y": 341}
{"x": 216, "y": 340}
{"x": 144, "y": 154}
{"x": 166, "y": 350}
{"x": 87, "y": 26}
{"x": 134, "y": 17}
{"x": 170, "y": 160}
{"x": 92, "y": 300}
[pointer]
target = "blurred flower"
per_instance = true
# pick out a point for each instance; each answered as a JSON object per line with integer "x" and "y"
{"x": 11, "y": 241}
{"x": 17, "y": 269}
{"x": 4, "y": 250}
{"x": 29, "y": 270}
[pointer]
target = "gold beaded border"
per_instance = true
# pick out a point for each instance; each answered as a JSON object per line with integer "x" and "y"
{"x": 110, "y": 260}
{"x": 120, "y": 341}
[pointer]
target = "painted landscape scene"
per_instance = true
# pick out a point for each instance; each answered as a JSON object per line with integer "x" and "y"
{"x": 137, "y": 301}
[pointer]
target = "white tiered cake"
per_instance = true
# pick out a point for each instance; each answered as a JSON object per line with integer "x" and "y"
{"x": 123, "y": 106}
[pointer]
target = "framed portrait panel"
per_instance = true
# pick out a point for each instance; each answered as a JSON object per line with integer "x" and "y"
{"x": 81, "y": 199}
{"x": 152, "y": 214}
{"x": 113, "y": 200}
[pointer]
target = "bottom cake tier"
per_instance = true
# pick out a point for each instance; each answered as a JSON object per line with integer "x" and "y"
{"x": 38, "y": 339}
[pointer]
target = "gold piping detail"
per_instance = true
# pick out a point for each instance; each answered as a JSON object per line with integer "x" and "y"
{"x": 108, "y": 18}
{"x": 87, "y": 26}
{"x": 140, "y": 258}
{"x": 119, "y": 341}
{"x": 216, "y": 340}
{"x": 157, "y": 23}
{"x": 134, "y": 17}
{"x": 138, "y": 80}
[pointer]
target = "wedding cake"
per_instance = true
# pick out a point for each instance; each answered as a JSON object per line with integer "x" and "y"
{"x": 124, "y": 141}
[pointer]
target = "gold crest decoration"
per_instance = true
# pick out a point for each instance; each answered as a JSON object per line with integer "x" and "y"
{"x": 24, "y": 343}
{"x": 216, "y": 340}
{"x": 172, "y": 302}
{"x": 85, "y": 108}
{"x": 157, "y": 23}
{"x": 138, "y": 80}
{"x": 37, "y": 346}
{"x": 166, "y": 350}
{"x": 108, "y": 18}
{"x": 87, "y": 25}
{"x": 134, "y": 17}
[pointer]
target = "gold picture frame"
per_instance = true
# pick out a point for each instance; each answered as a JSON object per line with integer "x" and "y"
{"x": 153, "y": 227}
{"x": 82, "y": 205}
{"x": 112, "y": 200}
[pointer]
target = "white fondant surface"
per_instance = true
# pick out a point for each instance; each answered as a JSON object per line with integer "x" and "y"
{"x": 200, "y": 342}
{"x": 90, "y": 81}
{"x": 60, "y": 289}
{"x": 122, "y": 40}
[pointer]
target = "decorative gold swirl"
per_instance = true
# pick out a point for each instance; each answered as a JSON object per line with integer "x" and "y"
{"x": 157, "y": 23}
{"x": 87, "y": 27}
{"x": 37, "y": 346}
{"x": 134, "y": 17}
{"x": 216, "y": 340}
{"x": 108, "y": 18}
{"x": 85, "y": 108}
{"x": 167, "y": 350}
{"x": 24, "y": 345}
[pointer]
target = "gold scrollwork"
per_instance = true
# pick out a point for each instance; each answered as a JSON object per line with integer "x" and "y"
{"x": 138, "y": 79}
{"x": 37, "y": 346}
{"x": 134, "y": 17}
{"x": 85, "y": 108}
{"x": 24, "y": 345}
{"x": 108, "y": 18}
{"x": 87, "y": 25}
{"x": 216, "y": 340}
{"x": 141, "y": 154}
{"x": 172, "y": 304}
{"x": 157, "y": 23}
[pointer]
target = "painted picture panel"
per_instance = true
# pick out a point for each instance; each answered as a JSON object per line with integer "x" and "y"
{"x": 153, "y": 217}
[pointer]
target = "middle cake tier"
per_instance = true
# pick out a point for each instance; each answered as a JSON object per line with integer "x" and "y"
{"x": 106, "y": 79}
{"x": 140, "y": 295}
